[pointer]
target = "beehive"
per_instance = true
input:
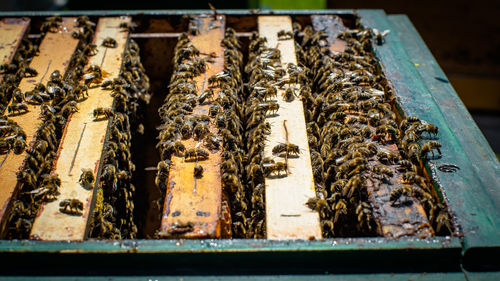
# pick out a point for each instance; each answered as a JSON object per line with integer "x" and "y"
{"x": 145, "y": 99}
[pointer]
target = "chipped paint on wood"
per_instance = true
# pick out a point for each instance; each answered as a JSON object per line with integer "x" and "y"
{"x": 189, "y": 199}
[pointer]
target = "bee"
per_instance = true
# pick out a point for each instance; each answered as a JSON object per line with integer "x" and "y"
{"x": 130, "y": 26}
{"x": 287, "y": 148}
{"x": 207, "y": 94}
{"x": 163, "y": 168}
{"x": 285, "y": 35}
{"x": 171, "y": 147}
{"x": 443, "y": 220}
{"x": 196, "y": 154}
{"x": 109, "y": 42}
{"x": 317, "y": 204}
{"x": 75, "y": 206}
{"x": 200, "y": 130}
{"x": 17, "y": 108}
{"x": 212, "y": 141}
{"x": 19, "y": 145}
{"x": 213, "y": 110}
{"x": 398, "y": 192}
{"x": 388, "y": 157}
{"x": 429, "y": 147}
{"x": 271, "y": 106}
{"x": 429, "y": 129}
{"x": 101, "y": 111}
{"x": 30, "y": 71}
{"x": 380, "y": 36}
{"x": 90, "y": 50}
{"x": 277, "y": 168}
{"x": 198, "y": 171}
{"x": 407, "y": 166}
{"x": 86, "y": 178}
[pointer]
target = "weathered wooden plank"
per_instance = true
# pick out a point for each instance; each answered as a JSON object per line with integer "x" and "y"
{"x": 12, "y": 32}
{"x": 56, "y": 51}
{"x": 392, "y": 221}
{"x": 82, "y": 143}
{"x": 189, "y": 199}
{"x": 287, "y": 215}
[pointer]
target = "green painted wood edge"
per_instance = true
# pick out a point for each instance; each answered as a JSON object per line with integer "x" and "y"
{"x": 453, "y": 276}
{"x": 229, "y": 245}
{"x": 468, "y": 199}
{"x": 458, "y": 118}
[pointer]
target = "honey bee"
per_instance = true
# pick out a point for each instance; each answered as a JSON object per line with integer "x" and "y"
{"x": 277, "y": 168}
{"x": 405, "y": 190}
{"x": 86, "y": 178}
{"x": 75, "y": 206}
{"x": 19, "y": 145}
{"x": 109, "y": 42}
{"x": 429, "y": 147}
{"x": 198, "y": 171}
{"x": 17, "y": 108}
{"x": 196, "y": 154}
{"x": 207, "y": 94}
{"x": 271, "y": 106}
{"x": 200, "y": 130}
{"x": 101, "y": 111}
{"x": 163, "y": 168}
{"x": 285, "y": 35}
{"x": 388, "y": 157}
{"x": 287, "y": 148}
{"x": 380, "y": 36}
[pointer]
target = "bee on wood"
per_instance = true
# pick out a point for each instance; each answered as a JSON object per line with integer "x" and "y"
{"x": 101, "y": 111}
{"x": 181, "y": 228}
{"x": 30, "y": 71}
{"x": 75, "y": 206}
{"x": 276, "y": 168}
{"x": 380, "y": 36}
{"x": 19, "y": 145}
{"x": 200, "y": 130}
{"x": 430, "y": 129}
{"x": 17, "y": 108}
{"x": 163, "y": 168}
{"x": 195, "y": 154}
{"x": 271, "y": 106}
{"x": 90, "y": 50}
{"x": 212, "y": 141}
{"x": 430, "y": 147}
{"x": 198, "y": 171}
{"x": 207, "y": 94}
{"x": 400, "y": 191}
{"x": 287, "y": 148}
{"x": 285, "y": 35}
{"x": 86, "y": 178}
{"x": 109, "y": 42}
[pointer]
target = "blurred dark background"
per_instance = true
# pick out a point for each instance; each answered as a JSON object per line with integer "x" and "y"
{"x": 462, "y": 35}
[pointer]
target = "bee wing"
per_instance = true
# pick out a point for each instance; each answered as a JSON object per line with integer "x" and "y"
{"x": 385, "y": 32}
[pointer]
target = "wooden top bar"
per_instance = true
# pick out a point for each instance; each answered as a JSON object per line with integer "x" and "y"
{"x": 56, "y": 51}
{"x": 288, "y": 217}
{"x": 12, "y": 32}
{"x": 82, "y": 143}
{"x": 392, "y": 221}
{"x": 189, "y": 199}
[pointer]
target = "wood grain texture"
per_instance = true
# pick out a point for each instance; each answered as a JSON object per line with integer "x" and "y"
{"x": 392, "y": 221}
{"x": 189, "y": 199}
{"x": 56, "y": 50}
{"x": 12, "y": 32}
{"x": 82, "y": 142}
{"x": 287, "y": 216}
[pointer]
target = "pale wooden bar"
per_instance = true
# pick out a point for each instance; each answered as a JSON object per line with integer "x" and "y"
{"x": 392, "y": 221}
{"x": 287, "y": 216}
{"x": 56, "y": 51}
{"x": 82, "y": 143}
{"x": 189, "y": 199}
{"x": 12, "y": 32}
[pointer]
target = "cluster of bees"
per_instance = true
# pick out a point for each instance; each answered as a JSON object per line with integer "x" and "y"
{"x": 12, "y": 73}
{"x": 114, "y": 209}
{"x": 57, "y": 100}
{"x": 355, "y": 139}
